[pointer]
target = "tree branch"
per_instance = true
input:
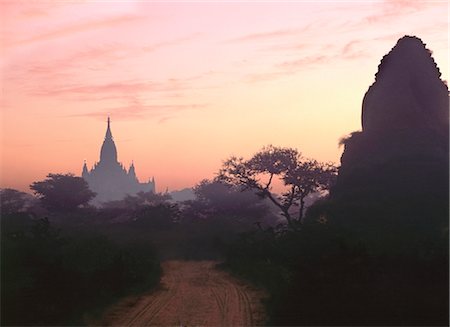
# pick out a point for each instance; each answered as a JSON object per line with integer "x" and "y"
{"x": 270, "y": 181}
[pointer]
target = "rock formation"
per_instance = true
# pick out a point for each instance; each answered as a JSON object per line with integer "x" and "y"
{"x": 390, "y": 204}
{"x": 403, "y": 146}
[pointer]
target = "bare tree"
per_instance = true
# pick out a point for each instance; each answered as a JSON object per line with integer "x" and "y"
{"x": 300, "y": 176}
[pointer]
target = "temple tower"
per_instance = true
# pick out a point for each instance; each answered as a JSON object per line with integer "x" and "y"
{"x": 108, "y": 178}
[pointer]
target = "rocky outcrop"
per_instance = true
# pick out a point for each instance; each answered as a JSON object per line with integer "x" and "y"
{"x": 407, "y": 92}
{"x": 403, "y": 145}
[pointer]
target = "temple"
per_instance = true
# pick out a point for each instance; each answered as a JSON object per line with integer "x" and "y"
{"x": 109, "y": 179}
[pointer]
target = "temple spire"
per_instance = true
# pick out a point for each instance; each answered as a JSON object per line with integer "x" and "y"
{"x": 108, "y": 130}
{"x": 85, "y": 172}
{"x": 132, "y": 171}
{"x": 108, "y": 152}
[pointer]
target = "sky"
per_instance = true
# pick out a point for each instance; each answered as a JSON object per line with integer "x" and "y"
{"x": 187, "y": 84}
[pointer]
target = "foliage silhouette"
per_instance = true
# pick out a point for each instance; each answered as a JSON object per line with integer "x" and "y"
{"x": 50, "y": 279}
{"x": 13, "y": 201}
{"x": 300, "y": 176}
{"x": 63, "y": 192}
{"x": 216, "y": 198}
{"x": 139, "y": 200}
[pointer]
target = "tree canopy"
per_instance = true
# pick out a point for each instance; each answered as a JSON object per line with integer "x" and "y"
{"x": 63, "y": 192}
{"x": 13, "y": 201}
{"x": 139, "y": 200}
{"x": 215, "y": 198}
{"x": 300, "y": 176}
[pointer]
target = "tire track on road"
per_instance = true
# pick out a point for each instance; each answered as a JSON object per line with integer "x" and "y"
{"x": 194, "y": 294}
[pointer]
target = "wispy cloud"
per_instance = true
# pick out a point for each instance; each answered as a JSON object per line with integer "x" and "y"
{"x": 307, "y": 61}
{"x": 354, "y": 49}
{"x": 136, "y": 109}
{"x": 267, "y": 76}
{"x": 393, "y": 9}
{"x": 270, "y": 35}
{"x": 73, "y": 28}
{"x": 110, "y": 89}
{"x": 82, "y": 58}
{"x": 163, "y": 44}
{"x": 287, "y": 68}
{"x": 287, "y": 47}
{"x": 44, "y": 76}
{"x": 351, "y": 50}
{"x": 264, "y": 35}
{"x": 99, "y": 53}
{"x": 34, "y": 13}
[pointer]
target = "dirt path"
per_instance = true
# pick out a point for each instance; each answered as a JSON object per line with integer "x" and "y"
{"x": 193, "y": 293}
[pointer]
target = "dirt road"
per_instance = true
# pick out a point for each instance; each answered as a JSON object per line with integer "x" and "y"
{"x": 193, "y": 293}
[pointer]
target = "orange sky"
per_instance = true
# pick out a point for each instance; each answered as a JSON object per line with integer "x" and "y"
{"x": 187, "y": 84}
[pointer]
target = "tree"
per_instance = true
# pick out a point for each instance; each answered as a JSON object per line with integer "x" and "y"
{"x": 217, "y": 198}
{"x": 301, "y": 177}
{"x": 13, "y": 201}
{"x": 139, "y": 200}
{"x": 63, "y": 192}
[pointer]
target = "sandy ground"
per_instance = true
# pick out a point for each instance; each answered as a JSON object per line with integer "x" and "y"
{"x": 193, "y": 293}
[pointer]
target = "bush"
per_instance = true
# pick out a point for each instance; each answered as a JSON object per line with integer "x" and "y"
{"x": 352, "y": 265}
{"x": 51, "y": 280}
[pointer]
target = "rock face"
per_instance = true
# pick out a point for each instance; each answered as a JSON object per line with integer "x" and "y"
{"x": 407, "y": 92}
{"x": 403, "y": 145}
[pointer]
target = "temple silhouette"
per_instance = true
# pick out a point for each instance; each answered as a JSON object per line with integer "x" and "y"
{"x": 109, "y": 178}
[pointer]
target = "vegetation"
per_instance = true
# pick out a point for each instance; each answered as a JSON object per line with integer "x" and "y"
{"x": 380, "y": 263}
{"x": 14, "y": 201}
{"x": 64, "y": 272}
{"x": 372, "y": 260}
{"x": 63, "y": 192}
{"x": 65, "y": 263}
{"x": 300, "y": 176}
{"x": 58, "y": 280}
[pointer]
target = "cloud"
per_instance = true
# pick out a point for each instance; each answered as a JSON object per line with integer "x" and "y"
{"x": 99, "y": 53}
{"x": 378, "y": 14}
{"x": 265, "y": 35}
{"x": 392, "y": 9}
{"x": 102, "y": 53}
{"x": 268, "y": 76}
{"x": 34, "y": 13}
{"x": 135, "y": 109}
{"x": 130, "y": 87}
{"x": 304, "y": 62}
{"x": 163, "y": 44}
{"x": 354, "y": 49}
{"x": 61, "y": 76}
{"x": 351, "y": 50}
{"x": 287, "y": 47}
{"x": 349, "y": 46}
{"x": 287, "y": 68}
{"x": 86, "y": 26}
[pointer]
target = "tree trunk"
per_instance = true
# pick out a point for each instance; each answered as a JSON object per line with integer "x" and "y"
{"x": 302, "y": 208}
{"x": 284, "y": 209}
{"x": 289, "y": 220}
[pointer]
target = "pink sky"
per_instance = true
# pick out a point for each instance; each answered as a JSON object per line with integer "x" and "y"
{"x": 187, "y": 84}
